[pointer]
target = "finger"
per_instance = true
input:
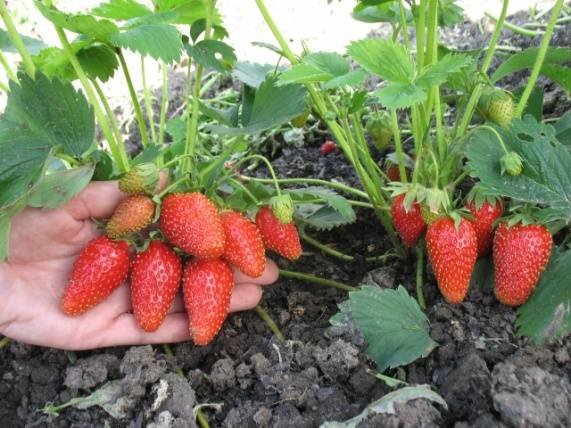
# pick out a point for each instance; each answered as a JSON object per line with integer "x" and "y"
{"x": 97, "y": 200}
{"x": 269, "y": 276}
{"x": 244, "y": 297}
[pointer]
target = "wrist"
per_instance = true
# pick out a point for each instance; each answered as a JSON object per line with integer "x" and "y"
{"x": 7, "y": 280}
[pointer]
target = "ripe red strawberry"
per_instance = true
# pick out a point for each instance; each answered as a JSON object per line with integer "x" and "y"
{"x": 521, "y": 253}
{"x": 191, "y": 222}
{"x": 409, "y": 225}
{"x": 393, "y": 173}
{"x": 453, "y": 252}
{"x": 155, "y": 277}
{"x": 483, "y": 223}
{"x": 327, "y": 148}
{"x": 207, "y": 287}
{"x": 133, "y": 214}
{"x": 101, "y": 267}
{"x": 278, "y": 237}
{"x": 244, "y": 244}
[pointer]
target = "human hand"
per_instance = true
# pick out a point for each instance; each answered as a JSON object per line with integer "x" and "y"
{"x": 43, "y": 246}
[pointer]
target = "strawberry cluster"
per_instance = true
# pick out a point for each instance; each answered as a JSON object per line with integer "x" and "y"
{"x": 520, "y": 251}
{"x": 209, "y": 241}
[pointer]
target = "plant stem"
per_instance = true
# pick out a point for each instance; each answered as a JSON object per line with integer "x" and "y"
{"x": 4, "y": 341}
{"x": 9, "y": 72}
{"x": 398, "y": 146}
{"x": 539, "y": 59}
{"x": 274, "y": 178}
{"x": 164, "y": 104}
{"x": 148, "y": 101}
{"x": 420, "y": 30}
{"x": 168, "y": 351}
{"x": 201, "y": 419}
{"x": 263, "y": 314}
{"x": 117, "y": 150}
{"x": 439, "y": 128}
{"x": 333, "y": 184}
{"x": 4, "y": 87}
{"x": 515, "y": 28}
{"x": 324, "y": 248}
{"x": 475, "y": 96}
{"x": 17, "y": 40}
{"x": 419, "y": 274}
{"x": 134, "y": 99}
{"x": 108, "y": 111}
{"x": 404, "y": 25}
{"x": 317, "y": 280}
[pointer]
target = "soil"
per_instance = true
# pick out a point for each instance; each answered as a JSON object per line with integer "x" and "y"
{"x": 487, "y": 375}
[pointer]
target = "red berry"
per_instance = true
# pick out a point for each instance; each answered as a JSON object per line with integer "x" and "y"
{"x": 409, "y": 224}
{"x": 521, "y": 253}
{"x": 278, "y": 237}
{"x": 453, "y": 252}
{"x": 101, "y": 268}
{"x": 133, "y": 214}
{"x": 207, "y": 286}
{"x": 327, "y": 147}
{"x": 191, "y": 222}
{"x": 155, "y": 278}
{"x": 244, "y": 244}
{"x": 393, "y": 173}
{"x": 483, "y": 223}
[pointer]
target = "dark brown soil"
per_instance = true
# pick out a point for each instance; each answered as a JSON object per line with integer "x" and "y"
{"x": 488, "y": 376}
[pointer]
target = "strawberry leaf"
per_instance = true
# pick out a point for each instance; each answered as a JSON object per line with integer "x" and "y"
{"x": 400, "y": 95}
{"x": 213, "y": 54}
{"x": 393, "y": 324}
{"x": 160, "y": 41}
{"x": 526, "y": 59}
{"x": 32, "y": 45}
{"x": 251, "y": 74}
{"x": 547, "y": 313}
{"x": 121, "y": 10}
{"x": 436, "y": 74}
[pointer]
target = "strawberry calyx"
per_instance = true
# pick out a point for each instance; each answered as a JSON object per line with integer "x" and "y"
{"x": 282, "y": 208}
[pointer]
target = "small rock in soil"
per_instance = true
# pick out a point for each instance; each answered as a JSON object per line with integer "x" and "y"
{"x": 531, "y": 396}
{"x": 222, "y": 375}
{"x": 141, "y": 365}
{"x": 337, "y": 360}
{"x": 413, "y": 414}
{"x": 287, "y": 416}
{"x": 181, "y": 398}
{"x": 383, "y": 276}
{"x": 91, "y": 371}
{"x": 263, "y": 417}
{"x": 261, "y": 364}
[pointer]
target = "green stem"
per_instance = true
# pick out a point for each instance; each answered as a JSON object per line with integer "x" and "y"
{"x": 108, "y": 112}
{"x": 244, "y": 189}
{"x": 497, "y": 134}
{"x": 475, "y": 96}
{"x": 274, "y": 178}
{"x": 324, "y": 248}
{"x": 168, "y": 351}
{"x": 263, "y": 314}
{"x": 515, "y": 28}
{"x": 148, "y": 101}
{"x": 419, "y": 274}
{"x": 404, "y": 25}
{"x": 461, "y": 178}
{"x": 4, "y": 87}
{"x": 432, "y": 32}
{"x": 17, "y": 40}
{"x": 398, "y": 145}
{"x": 439, "y": 128}
{"x": 164, "y": 105}
{"x": 316, "y": 279}
{"x": 172, "y": 186}
{"x": 276, "y": 32}
{"x": 333, "y": 184}
{"x": 9, "y": 72}
{"x": 539, "y": 59}
{"x": 420, "y": 31}
{"x": 4, "y": 341}
{"x": 201, "y": 419}
{"x": 117, "y": 150}
{"x": 134, "y": 100}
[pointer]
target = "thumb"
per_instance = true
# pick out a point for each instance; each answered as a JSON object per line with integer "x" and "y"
{"x": 97, "y": 200}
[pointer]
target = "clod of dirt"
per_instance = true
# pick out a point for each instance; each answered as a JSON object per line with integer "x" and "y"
{"x": 261, "y": 364}
{"x": 241, "y": 416}
{"x": 531, "y": 396}
{"x": 413, "y": 414}
{"x": 286, "y": 415}
{"x": 383, "y": 276}
{"x": 140, "y": 365}
{"x": 181, "y": 398}
{"x": 222, "y": 375}
{"x": 162, "y": 420}
{"x": 91, "y": 371}
{"x": 294, "y": 387}
{"x": 263, "y": 417}
{"x": 337, "y": 360}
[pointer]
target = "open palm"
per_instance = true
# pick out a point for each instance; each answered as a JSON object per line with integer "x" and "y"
{"x": 43, "y": 246}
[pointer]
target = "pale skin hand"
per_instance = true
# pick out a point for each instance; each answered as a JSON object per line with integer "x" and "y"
{"x": 43, "y": 246}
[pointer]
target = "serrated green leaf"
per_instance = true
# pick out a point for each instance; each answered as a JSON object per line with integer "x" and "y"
{"x": 273, "y": 105}
{"x": 546, "y": 176}
{"x": 558, "y": 74}
{"x": 252, "y": 74}
{"x": 160, "y": 41}
{"x": 436, "y": 74}
{"x": 400, "y": 95}
{"x": 303, "y": 73}
{"x": 386, "y": 59}
{"x": 526, "y": 59}
{"x": 57, "y": 188}
{"x": 213, "y": 54}
{"x": 534, "y": 104}
{"x": 187, "y": 11}
{"x": 321, "y": 217}
{"x": 563, "y": 129}
{"x": 98, "y": 62}
{"x": 353, "y": 78}
{"x": 547, "y": 313}
{"x": 330, "y": 197}
{"x": 387, "y": 12}
{"x": 393, "y": 324}
{"x": 32, "y": 45}
{"x": 449, "y": 13}
{"x": 121, "y": 10}
{"x": 328, "y": 62}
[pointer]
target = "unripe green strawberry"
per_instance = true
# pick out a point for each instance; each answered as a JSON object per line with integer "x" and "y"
{"x": 379, "y": 129}
{"x": 155, "y": 278}
{"x": 409, "y": 224}
{"x": 133, "y": 214}
{"x": 244, "y": 244}
{"x": 207, "y": 287}
{"x": 521, "y": 253}
{"x": 142, "y": 178}
{"x": 452, "y": 252}
{"x": 282, "y": 207}
{"x": 498, "y": 106}
{"x": 102, "y": 266}
{"x": 191, "y": 222}
{"x": 278, "y": 237}
{"x": 300, "y": 121}
{"x": 511, "y": 163}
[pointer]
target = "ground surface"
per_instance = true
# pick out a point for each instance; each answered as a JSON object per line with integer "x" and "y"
{"x": 487, "y": 375}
